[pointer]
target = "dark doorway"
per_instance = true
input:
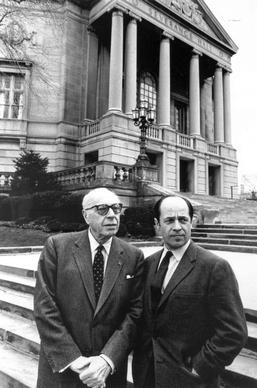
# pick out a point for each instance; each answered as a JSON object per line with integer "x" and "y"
{"x": 90, "y": 157}
{"x": 214, "y": 179}
{"x": 186, "y": 175}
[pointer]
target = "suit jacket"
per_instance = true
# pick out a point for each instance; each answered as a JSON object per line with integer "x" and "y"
{"x": 70, "y": 323}
{"x": 199, "y": 323}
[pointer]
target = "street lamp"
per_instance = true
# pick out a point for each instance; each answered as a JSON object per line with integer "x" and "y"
{"x": 143, "y": 117}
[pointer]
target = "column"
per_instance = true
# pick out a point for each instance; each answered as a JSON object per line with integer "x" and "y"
{"x": 218, "y": 106}
{"x": 116, "y": 62}
{"x": 194, "y": 95}
{"x": 227, "y": 107}
{"x": 164, "y": 82}
{"x": 206, "y": 110}
{"x": 131, "y": 67}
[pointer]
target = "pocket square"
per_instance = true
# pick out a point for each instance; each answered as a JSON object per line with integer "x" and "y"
{"x": 130, "y": 276}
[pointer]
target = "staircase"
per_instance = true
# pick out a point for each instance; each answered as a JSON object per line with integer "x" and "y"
{"x": 19, "y": 340}
{"x": 19, "y": 344}
{"x": 227, "y": 237}
{"x": 235, "y": 211}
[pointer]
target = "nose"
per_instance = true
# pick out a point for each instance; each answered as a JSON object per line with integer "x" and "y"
{"x": 110, "y": 213}
{"x": 177, "y": 225}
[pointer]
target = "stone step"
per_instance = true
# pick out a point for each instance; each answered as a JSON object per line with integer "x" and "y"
{"x": 16, "y": 302}
{"x": 17, "y": 370}
{"x": 225, "y": 235}
{"x": 214, "y": 240}
{"x": 214, "y": 229}
{"x": 230, "y": 248}
{"x": 16, "y": 282}
{"x": 242, "y": 373}
{"x": 252, "y": 336}
{"x": 229, "y": 226}
{"x": 19, "y": 332}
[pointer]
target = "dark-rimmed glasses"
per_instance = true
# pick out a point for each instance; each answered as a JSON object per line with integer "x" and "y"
{"x": 102, "y": 210}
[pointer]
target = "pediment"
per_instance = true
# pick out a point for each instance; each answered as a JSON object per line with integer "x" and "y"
{"x": 198, "y": 14}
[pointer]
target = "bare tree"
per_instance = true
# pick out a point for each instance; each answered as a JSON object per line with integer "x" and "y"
{"x": 19, "y": 36}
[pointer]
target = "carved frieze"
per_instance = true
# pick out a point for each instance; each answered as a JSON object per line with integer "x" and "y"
{"x": 187, "y": 9}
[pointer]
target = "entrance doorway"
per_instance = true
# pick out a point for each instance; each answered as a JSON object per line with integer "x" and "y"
{"x": 214, "y": 179}
{"x": 186, "y": 175}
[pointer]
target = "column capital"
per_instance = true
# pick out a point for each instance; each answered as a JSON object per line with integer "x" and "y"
{"x": 166, "y": 34}
{"x": 118, "y": 9}
{"x": 219, "y": 66}
{"x": 134, "y": 17}
{"x": 196, "y": 52}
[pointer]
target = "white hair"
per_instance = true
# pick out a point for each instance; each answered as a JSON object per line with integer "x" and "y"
{"x": 97, "y": 196}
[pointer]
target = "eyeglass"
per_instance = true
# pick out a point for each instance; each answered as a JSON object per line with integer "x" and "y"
{"x": 102, "y": 210}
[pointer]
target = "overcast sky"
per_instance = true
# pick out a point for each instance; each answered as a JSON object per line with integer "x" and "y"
{"x": 239, "y": 18}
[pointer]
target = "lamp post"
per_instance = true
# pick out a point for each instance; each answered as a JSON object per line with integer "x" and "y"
{"x": 143, "y": 117}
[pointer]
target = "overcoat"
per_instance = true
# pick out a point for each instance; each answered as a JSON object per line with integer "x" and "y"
{"x": 69, "y": 322}
{"x": 199, "y": 323}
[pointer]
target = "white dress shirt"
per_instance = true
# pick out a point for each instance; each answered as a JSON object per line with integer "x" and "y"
{"x": 177, "y": 255}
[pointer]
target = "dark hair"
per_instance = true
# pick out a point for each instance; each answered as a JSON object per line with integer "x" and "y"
{"x": 157, "y": 206}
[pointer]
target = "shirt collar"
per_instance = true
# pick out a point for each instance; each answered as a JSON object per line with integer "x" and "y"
{"x": 177, "y": 253}
{"x": 94, "y": 244}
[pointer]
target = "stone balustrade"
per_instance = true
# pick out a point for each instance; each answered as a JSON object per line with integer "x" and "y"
{"x": 156, "y": 132}
{"x": 5, "y": 181}
{"x": 95, "y": 173}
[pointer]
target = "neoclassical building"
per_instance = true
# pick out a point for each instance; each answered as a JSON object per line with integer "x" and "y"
{"x": 91, "y": 62}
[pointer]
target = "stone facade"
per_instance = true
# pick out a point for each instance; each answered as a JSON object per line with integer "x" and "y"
{"x": 89, "y": 63}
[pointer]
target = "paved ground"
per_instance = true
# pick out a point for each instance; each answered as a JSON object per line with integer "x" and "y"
{"x": 243, "y": 264}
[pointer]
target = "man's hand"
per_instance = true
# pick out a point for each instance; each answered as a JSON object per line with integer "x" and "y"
{"x": 96, "y": 373}
{"x": 79, "y": 364}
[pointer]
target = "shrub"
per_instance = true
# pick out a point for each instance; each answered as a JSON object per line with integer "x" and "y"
{"x": 139, "y": 221}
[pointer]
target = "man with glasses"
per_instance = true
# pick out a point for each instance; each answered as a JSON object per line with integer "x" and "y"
{"x": 88, "y": 300}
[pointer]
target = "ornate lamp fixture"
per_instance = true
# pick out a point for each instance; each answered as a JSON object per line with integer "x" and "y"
{"x": 143, "y": 117}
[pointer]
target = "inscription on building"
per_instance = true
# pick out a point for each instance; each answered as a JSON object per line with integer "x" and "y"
{"x": 175, "y": 28}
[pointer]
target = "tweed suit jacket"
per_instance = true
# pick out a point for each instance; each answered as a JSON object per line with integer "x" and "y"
{"x": 69, "y": 322}
{"x": 199, "y": 323}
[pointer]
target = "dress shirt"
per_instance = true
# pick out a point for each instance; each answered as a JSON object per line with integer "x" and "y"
{"x": 177, "y": 255}
{"x": 94, "y": 245}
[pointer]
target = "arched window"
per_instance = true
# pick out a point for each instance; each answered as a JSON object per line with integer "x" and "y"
{"x": 147, "y": 89}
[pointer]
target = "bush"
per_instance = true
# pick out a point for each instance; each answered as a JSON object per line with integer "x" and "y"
{"x": 122, "y": 230}
{"x": 139, "y": 221}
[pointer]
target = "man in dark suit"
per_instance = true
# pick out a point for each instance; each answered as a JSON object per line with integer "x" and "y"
{"x": 193, "y": 321}
{"x": 88, "y": 300}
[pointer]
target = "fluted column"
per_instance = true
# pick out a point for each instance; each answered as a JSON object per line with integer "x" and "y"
{"x": 194, "y": 95}
{"x": 163, "y": 116}
{"x": 131, "y": 67}
{"x": 218, "y": 106}
{"x": 116, "y": 62}
{"x": 227, "y": 107}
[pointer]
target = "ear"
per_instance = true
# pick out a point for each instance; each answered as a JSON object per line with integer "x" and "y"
{"x": 156, "y": 224}
{"x": 84, "y": 214}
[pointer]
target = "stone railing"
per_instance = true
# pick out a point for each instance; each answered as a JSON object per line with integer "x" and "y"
{"x": 155, "y": 132}
{"x": 5, "y": 181}
{"x": 95, "y": 174}
{"x": 184, "y": 140}
{"x": 213, "y": 148}
{"x": 89, "y": 128}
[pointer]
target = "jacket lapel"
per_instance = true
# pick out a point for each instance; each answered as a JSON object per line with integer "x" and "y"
{"x": 113, "y": 268}
{"x": 82, "y": 255}
{"x": 183, "y": 269}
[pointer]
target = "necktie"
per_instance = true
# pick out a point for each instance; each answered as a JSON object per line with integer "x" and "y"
{"x": 98, "y": 271}
{"x": 157, "y": 282}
